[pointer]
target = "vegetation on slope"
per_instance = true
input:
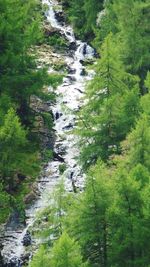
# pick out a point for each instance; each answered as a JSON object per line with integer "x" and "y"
{"x": 20, "y": 30}
{"x": 108, "y": 224}
{"x": 110, "y": 219}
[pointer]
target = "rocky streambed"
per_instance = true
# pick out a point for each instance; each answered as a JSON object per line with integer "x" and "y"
{"x": 68, "y": 102}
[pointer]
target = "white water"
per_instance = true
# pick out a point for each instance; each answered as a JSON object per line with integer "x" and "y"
{"x": 69, "y": 100}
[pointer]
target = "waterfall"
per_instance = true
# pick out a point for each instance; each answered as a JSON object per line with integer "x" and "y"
{"x": 70, "y": 93}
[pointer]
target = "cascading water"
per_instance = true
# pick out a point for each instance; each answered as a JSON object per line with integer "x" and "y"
{"x": 69, "y": 100}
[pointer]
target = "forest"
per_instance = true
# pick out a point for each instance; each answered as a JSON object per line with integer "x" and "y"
{"x": 108, "y": 223}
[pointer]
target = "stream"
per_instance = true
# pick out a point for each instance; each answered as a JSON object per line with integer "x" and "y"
{"x": 68, "y": 102}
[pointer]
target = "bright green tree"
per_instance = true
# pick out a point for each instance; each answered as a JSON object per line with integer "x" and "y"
{"x": 12, "y": 135}
{"x": 14, "y": 154}
{"x": 66, "y": 253}
{"x": 137, "y": 144}
{"x": 41, "y": 258}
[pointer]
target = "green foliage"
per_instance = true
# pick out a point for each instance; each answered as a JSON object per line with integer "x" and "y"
{"x": 66, "y": 253}
{"x": 11, "y": 135}
{"x": 111, "y": 107}
{"x": 48, "y": 119}
{"x": 19, "y": 79}
{"x": 50, "y": 220}
{"x": 133, "y": 17}
{"x": 62, "y": 168}
{"x": 129, "y": 228}
{"x": 83, "y": 14}
{"x": 57, "y": 41}
{"x": 147, "y": 81}
{"x": 4, "y": 205}
{"x": 110, "y": 219}
{"x": 40, "y": 259}
{"x": 91, "y": 9}
{"x": 47, "y": 155}
{"x": 88, "y": 220}
{"x": 138, "y": 143}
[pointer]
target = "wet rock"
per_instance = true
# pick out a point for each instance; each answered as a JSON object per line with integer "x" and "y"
{"x": 59, "y": 17}
{"x": 27, "y": 239}
{"x": 25, "y": 258}
{"x": 58, "y": 115}
{"x": 79, "y": 90}
{"x": 58, "y": 157}
{"x": 68, "y": 127}
{"x": 21, "y": 177}
{"x": 49, "y": 31}
{"x": 73, "y": 46}
{"x": 14, "y": 262}
{"x": 71, "y": 78}
{"x": 84, "y": 49}
{"x": 38, "y": 105}
{"x": 15, "y": 220}
{"x": 1, "y": 248}
{"x": 30, "y": 197}
{"x": 60, "y": 149}
{"x": 83, "y": 72}
{"x": 71, "y": 71}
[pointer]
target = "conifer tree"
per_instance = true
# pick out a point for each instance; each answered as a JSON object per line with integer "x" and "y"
{"x": 20, "y": 29}
{"x": 111, "y": 99}
{"x": 15, "y": 154}
{"x": 137, "y": 144}
{"x": 66, "y": 253}
{"x": 77, "y": 16}
{"x": 91, "y": 8}
{"x": 41, "y": 258}
{"x": 129, "y": 226}
{"x": 88, "y": 218}
{"x": 12, "y": 135}
{"x": 133, "y": 19}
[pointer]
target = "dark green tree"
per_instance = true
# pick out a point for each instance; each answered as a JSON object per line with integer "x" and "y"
{"x": 133, "y": 20}
{"x": 88, "y": 217}
{"x": 111, "y": 107}
{"x": 129, "y": 223}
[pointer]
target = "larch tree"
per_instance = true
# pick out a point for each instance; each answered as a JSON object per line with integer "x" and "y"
{"x": 111, "y": 99}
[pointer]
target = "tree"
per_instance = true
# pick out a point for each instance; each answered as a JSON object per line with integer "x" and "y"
{"x": 66, "y": 253}
{"x": 83, "y": 15}
{"x": 137, "y": 144}
{"x": 51, "y": 219}
{"x": 129, "y": 226}
{"x": 111, "y": 99}
{"x": 41, "y": 258}
{"x": 88, "y": 217}
{"x": 91, "y": 8}
{"x": 4, "y": 204}
{"x": 20, "y": 29}
{"x": 11, "y": 135}
{"x": 77, "y": 16}
{"x": 133, "y": 19}
{"x": 16, "y": 161}
{"x": 106, "y": 24}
